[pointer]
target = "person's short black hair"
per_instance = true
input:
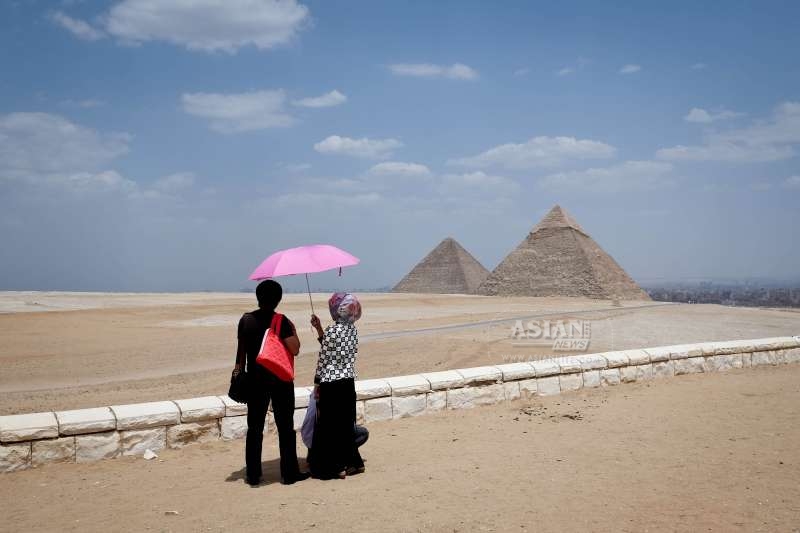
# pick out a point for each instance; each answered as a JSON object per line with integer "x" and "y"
{"x": 269, "y": 293}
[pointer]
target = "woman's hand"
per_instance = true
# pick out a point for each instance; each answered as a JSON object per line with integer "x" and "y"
{"x": 315, "y": 322}
{"x": 237, "y": 370}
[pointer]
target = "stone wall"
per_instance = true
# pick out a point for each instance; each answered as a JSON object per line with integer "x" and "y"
{"x": 84, "y": 435}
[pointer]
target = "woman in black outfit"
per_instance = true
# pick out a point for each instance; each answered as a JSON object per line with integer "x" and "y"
{"x": 334, "y": 452}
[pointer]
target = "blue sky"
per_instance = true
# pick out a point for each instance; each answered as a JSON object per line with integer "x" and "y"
{"x": 172, "y": 145}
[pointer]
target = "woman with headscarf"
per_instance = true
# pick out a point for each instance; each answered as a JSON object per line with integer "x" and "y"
{"x": 334, "y": 452}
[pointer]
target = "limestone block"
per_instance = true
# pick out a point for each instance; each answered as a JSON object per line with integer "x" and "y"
{"x": 609, "y": 376}
{"x": 548, "y": 386}
{"x": 659, "y": 353}
{"x": 301, "y": 396}
{"x": 480, "y": 375}
{"x": 723, "y": 363}
{"x": 711, "y": 348}
{"x": 15, "y": 457}
{"x": 644, "y": 372}
{"x": 82, "y": 421}
{"x": 684, "y": 351}
{"x": 372, "y": 388}
{"x": 637, "y": 357}
{"x": 203, "y": 408}
{"x": 96, "y": 446}
{"x": 616, "y": 359}
{"x": 233, "y": 427}
{"x": 591, "y": 378}
{"x": 20, "y": 428}
{"x": 771, "y": 343}
{"x": 446, "y": 379}
{"x": 136, "y": 441}
{"x": 663, "y": 369}
{"x": 146, "y": 415}
{"x": 468, "y": 397}
{"x": 692, "y": 365}
{"x": 437, "y": 401}
{"x": 528, "y": 388}
{"x": 377, "y": 409}
{"x": 360, "y": 412}
{"x": 763, "y": 359}
{"x": 408, "y": 385}
{"x": 405, "y": 406}
{"x": 183, "y": 434}
{"x": 732, "y": 347}
{"x": 60, "y": 450}
{"x": 511, "y": 390}
{"x": 233, "y": 408}
{"x": 569, "y": 365}
{"x": 592, "y": 361}
{"x": 747, "y": 361}
{"x": 517, "y": 371}
{"x": 570, "y": 382}
{"x": 298, "y": 417}
{"x": 546, "y": 367}
{"x": 269, "y": 424}
{"x": 780, "y": 356}
{"x": 627, "y": 374}
{"x": 793, "y": 355}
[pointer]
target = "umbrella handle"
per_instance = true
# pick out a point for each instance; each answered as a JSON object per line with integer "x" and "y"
{"x": 309, "y": 295}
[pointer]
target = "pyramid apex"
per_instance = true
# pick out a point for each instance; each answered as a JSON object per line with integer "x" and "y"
{"x": 557, "y": 217}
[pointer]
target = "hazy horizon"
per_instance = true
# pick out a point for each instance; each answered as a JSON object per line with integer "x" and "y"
{"x": 174, "y": 152}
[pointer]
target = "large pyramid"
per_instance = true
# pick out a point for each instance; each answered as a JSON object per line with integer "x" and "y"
{"x": 448, "y": 269}
{"x": 558, "y": 258}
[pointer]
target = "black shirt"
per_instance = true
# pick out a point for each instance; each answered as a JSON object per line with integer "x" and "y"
{"x": 252, "y": 327}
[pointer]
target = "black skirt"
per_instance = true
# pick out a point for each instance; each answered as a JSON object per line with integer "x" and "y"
{"x": 333, "y": 447}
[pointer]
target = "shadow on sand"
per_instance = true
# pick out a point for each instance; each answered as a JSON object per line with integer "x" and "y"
{"x": 271, "y": 473}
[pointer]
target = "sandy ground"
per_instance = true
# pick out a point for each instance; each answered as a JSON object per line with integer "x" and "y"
{"x": 711, "y": 452}
{"x": 73, "y": 350}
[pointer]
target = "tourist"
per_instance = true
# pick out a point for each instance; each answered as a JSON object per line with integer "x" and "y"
{"x": 263, "y": 386}
{"x": 334, "y": 449}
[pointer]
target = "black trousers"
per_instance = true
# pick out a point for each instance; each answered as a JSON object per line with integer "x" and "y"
{"x": 334, "y": 447}
{"x": 263, "y": 388}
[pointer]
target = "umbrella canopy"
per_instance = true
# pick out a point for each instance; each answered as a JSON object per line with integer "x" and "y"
{"x": 303, "y": 260}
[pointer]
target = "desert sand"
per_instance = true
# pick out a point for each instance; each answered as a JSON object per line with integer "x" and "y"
{"x": 710, "y": 452}
{"x": 74, "y": 350}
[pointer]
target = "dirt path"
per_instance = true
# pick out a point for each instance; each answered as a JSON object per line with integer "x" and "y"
{"x": 695, "y": 453}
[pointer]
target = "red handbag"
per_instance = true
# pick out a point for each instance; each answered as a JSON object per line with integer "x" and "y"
{"x": 273, "y": 355}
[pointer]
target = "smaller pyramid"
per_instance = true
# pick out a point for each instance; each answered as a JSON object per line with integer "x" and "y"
{"x": 447, "y": 269}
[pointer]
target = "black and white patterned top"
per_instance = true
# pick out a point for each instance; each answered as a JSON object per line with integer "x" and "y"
{"x": 337, "y": 356}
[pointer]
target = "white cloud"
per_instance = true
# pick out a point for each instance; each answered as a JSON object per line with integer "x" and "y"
{"x": 330, "y": 99}
{"x": 701, "y": 116}
{"x": 297, "y": 167}
{"x": 364, "y": 147}
{"x": 174, "y": 182}
{"x": 764, "y": 140}
{"x": 522, "y": 71}
{"x": 93, "y": 182}
{"x": 792, "y": 182}
{"x": 235, "y": 113}
{"x": 477, "y": 182}
{"x": 565, "y": 71}
{"x": 456, "y": 71}
{"x": 538, "y": 152}
{"x": 79, "y": 28}
{"x": 89, "y": 103}
{"x": 326, "y": 200}
{"x": 630, "y": 69}
{"x": 397, "y": 168}
{"x": 630, "y": 175}
{"x": 207, "y": 25}
{"x": 36, "y": 144}
{"x": 698, "y": 66}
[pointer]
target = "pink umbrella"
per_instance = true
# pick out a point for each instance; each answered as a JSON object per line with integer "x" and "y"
{"x": 303, "y": 260}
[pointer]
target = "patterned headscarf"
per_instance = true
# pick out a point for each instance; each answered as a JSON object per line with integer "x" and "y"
{"x": 344, "y": 307}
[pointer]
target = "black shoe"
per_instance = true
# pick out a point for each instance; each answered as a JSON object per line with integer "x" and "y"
{"x": 253, "y": 482}
{"x": 301, "y": 476}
